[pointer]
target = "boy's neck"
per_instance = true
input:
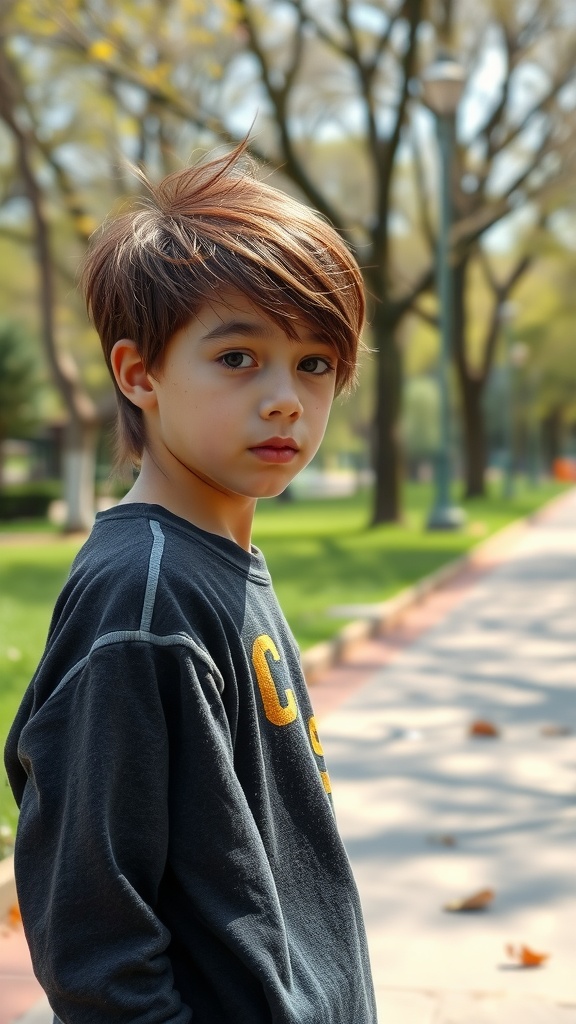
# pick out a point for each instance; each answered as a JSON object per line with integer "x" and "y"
{"x": 224, "y": 514}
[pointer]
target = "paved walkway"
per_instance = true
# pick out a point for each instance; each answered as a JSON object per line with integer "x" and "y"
{"x": 409, "y": 779}
{"x": 431, "y": 814}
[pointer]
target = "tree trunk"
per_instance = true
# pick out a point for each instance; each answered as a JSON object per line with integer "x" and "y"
{"x": 386, "y": 448}
{"x": 475, "y": 448}
{"x": 551, "y": 437}
{"x": 79, "y": 473}
{"x": 471, "y": 386}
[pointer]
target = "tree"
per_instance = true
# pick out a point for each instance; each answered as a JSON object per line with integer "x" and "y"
{"x": 19, "y": 384}
{"x": 516, "y": 156}
{"x": 80, "y": 407}
{"x": 544, "y": 327}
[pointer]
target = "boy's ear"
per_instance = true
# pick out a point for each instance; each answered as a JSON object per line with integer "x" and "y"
{"x": 131, "y": 376}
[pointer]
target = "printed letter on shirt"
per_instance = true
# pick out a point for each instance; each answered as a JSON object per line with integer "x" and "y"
{"x": 277, "y": 713}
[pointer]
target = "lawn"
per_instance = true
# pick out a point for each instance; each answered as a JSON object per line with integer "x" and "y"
{"x": 30, "y": 578}
{"x": 320, "y": 553}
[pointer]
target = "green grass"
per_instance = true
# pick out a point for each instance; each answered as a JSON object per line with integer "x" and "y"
{"x": 31, "y": 576}
{"x": 320, "y": 553}
{"x": 11, "y": 526}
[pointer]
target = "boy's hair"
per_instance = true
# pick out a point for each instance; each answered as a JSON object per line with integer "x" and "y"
{"x": 208, "y": 227}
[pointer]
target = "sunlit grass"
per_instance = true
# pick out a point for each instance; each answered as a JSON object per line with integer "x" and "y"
{"x": 31, "y": 576}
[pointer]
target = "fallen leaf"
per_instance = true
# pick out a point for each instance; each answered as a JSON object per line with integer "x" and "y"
{"x": 14, "y": 917}
{"x": 443, "y": 840}
{"x": 477, "y": 901}
{"x": 482, "y": 727}
{"x": 526, "y": 957}
{"x": 555, "y": 730}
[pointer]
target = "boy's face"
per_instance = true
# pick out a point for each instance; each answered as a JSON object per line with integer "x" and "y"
{"x": 237, "y": 403}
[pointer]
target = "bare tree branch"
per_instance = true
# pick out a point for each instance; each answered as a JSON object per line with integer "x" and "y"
{"x": 279, "y": 98}
{"x": 538, "y": 107}
{"x": 425, "y": 315}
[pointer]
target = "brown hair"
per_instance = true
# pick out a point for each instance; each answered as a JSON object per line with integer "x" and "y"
{"x": 207, "y": 227}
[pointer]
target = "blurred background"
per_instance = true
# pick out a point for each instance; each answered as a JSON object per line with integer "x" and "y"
{"x": 438, "y": 137}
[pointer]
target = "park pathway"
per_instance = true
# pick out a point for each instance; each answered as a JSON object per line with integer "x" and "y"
{"x": 431, "y": 814}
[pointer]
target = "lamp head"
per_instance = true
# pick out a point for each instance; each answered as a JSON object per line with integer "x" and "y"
{"x": 443, "y": 85}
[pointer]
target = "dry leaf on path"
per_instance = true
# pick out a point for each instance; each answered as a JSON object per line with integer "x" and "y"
{"x": 477, "y": 901}
{"x": 482, "y": 727}
{"x": 555, "y": 730}
{"x": 444, "y": 839}
{"x": 14, "y": 917}
{"x": 526, "y": 957}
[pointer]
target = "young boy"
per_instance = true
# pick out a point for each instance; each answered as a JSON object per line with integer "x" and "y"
{"x": 177, "y": 856}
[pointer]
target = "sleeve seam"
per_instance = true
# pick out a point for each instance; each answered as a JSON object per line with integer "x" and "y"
{"x": 138, "y": 636}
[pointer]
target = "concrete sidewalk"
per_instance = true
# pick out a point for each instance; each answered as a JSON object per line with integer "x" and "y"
{"x": 430, "y": 814}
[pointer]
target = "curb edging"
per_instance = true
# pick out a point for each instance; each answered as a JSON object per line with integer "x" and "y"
{"x": 385, "y": 615}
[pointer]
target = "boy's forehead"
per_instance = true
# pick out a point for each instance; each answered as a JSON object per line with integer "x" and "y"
{"x": 232, "y": 313}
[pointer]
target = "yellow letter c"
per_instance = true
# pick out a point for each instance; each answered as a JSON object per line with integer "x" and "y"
{"x": 276, "y": 712}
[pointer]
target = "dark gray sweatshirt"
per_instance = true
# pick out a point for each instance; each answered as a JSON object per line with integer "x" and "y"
{"x": 177, "y": 855}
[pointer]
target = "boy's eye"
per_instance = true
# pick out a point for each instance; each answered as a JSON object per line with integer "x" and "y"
{"x": 314, "y": 364}
{"x": 237, "y": 360}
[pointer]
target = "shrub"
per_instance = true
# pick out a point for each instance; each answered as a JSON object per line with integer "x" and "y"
{"x": 28, "y": 501}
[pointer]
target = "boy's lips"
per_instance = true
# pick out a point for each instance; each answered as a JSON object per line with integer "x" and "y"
{"x": 276, "y": 449}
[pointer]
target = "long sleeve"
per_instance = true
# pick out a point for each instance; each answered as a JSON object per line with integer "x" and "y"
{"x": 92, "y": 842}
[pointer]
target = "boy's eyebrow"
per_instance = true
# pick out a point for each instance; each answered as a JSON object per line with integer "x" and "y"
{"x": 246, "y": 328}
{"x": 231, "y": 327}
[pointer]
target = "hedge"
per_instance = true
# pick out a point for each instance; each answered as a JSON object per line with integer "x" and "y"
{"x": 28, "y": 501}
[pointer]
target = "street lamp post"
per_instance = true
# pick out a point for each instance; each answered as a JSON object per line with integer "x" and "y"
{"x": 443, "y": 85}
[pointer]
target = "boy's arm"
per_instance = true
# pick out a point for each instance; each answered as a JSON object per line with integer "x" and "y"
{"x": 93, "y": 841}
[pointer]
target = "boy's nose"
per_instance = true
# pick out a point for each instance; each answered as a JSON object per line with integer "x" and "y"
{"x": 281, "y": 401}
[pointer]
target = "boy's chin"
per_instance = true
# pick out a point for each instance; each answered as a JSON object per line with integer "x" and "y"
{"x": 274, "y": 493}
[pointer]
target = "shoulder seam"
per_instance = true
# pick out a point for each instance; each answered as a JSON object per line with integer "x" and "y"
{"x": 140, "y": 636}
